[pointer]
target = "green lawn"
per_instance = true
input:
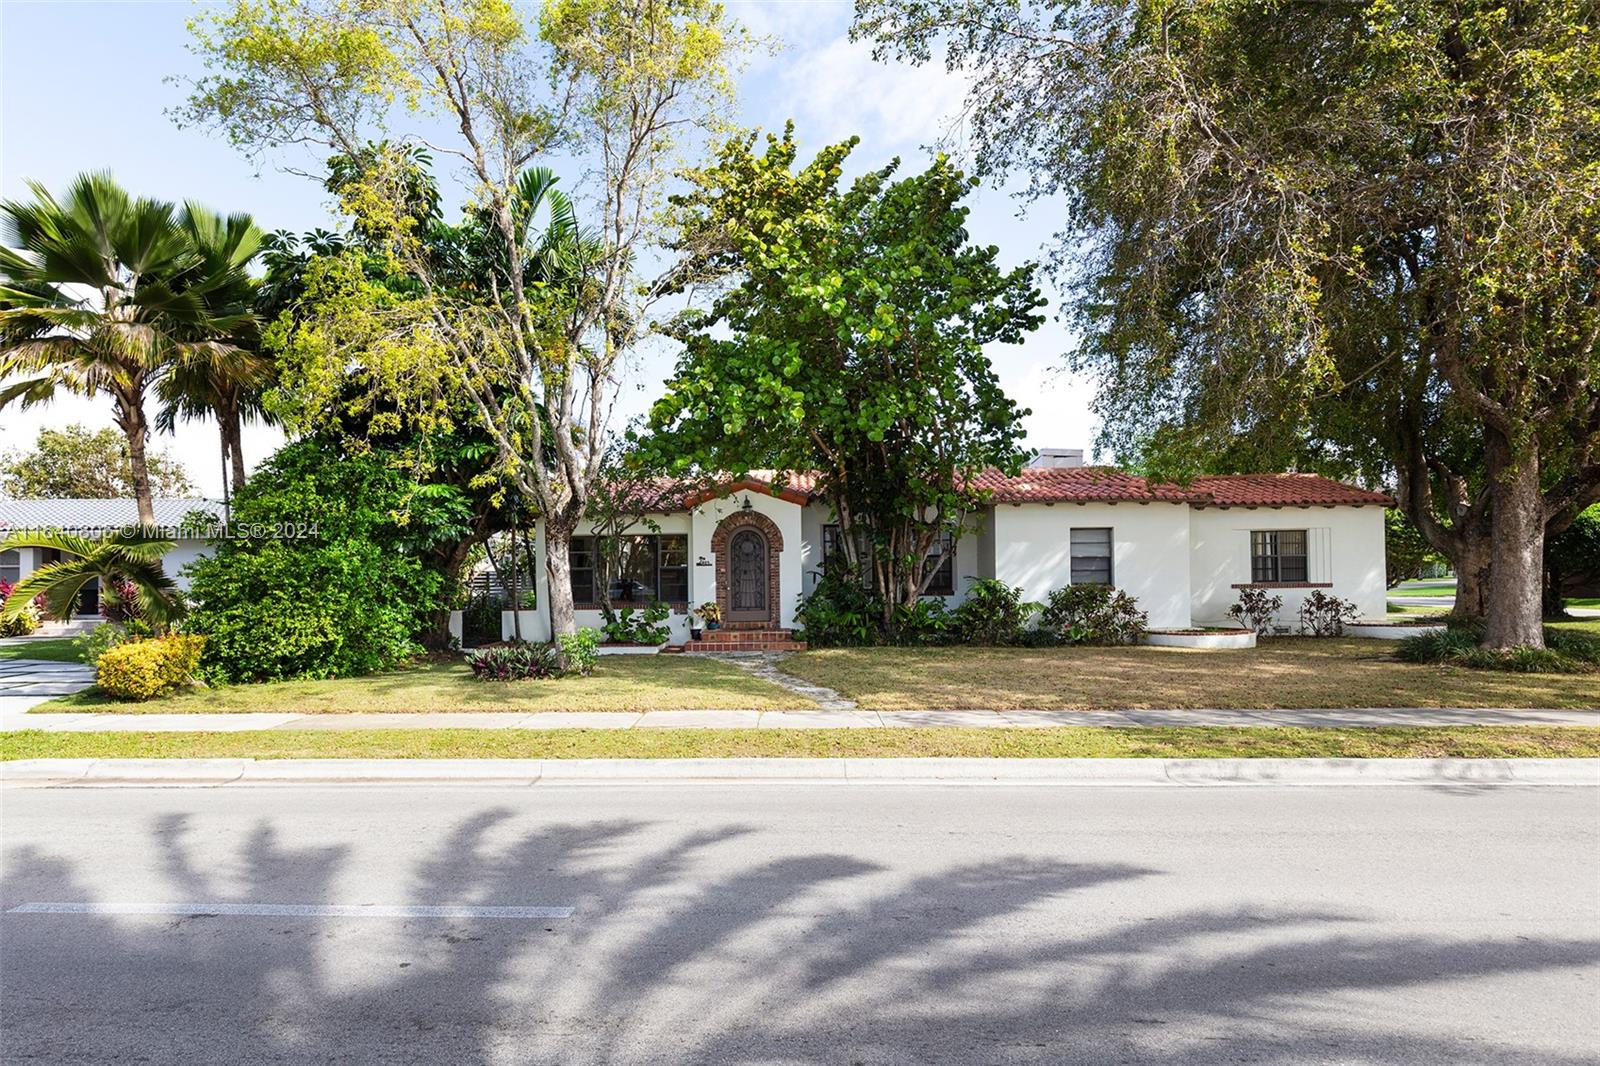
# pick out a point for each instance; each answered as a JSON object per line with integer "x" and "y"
{"x": 1583, "y": 601}
{"x": 619, "y": 683}
{"x": 1282, "y": 672}
{"x": 1430, "y": 589}
{"x": 1068, "y": 742}
{"x": 52, "y": 649}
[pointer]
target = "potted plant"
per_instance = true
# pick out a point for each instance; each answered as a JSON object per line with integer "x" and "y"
{"x": 711, "y": 613}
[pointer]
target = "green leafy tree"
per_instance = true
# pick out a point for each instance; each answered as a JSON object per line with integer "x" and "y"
{"x": 102, "y": 292}
{"x": 73, "y": 462}
{"x": 1572, "y": 562}
{"x": 1407, "y": 552}
{"x": 124, "y": 558}
{"x": 1364, "y": 229}
{"x": 621, "y": 84}
{"x": 325, "y": 573}
{"x": 849, "y": 340}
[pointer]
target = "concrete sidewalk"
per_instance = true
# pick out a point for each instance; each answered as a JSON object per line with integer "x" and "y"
{"x": 1453, "y": 773}
{"x": 16, "y": 718}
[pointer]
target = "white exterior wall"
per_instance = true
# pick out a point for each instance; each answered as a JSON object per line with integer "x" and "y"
{"x": 175, "y": 562}
{"x": 1344, "y": 548}
{"x": 1149, "y": 561}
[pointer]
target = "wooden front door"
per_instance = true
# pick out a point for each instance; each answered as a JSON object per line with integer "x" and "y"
{"x": 747, "y": 577}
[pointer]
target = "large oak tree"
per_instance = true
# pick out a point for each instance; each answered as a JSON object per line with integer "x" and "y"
{"x": 1353, "y": 232}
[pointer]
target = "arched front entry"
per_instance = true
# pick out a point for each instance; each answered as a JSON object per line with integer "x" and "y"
{"x": 746, "y": 546}
{"x": 747, "y": 576}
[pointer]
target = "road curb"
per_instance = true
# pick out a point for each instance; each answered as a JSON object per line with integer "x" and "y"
{"x": 1184, "y": 773}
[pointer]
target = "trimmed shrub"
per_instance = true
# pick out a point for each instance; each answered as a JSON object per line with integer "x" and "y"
{"x": 514, "y": 662}
{"x": 992, "y": 613}
{"x": 1093, "y": 614}
{"x": 1322, "y": 615}
{"x": 1255, "y": 610}
{"x": 580, "y": 651}
{"x": 144, "y": 669}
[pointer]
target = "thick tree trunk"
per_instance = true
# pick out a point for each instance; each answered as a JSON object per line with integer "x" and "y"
{"x": 558, "y": 567}
{"x": 1471, "y": 560}
{"x": 1516, "y": 575}
{"x": 130, "y": 414}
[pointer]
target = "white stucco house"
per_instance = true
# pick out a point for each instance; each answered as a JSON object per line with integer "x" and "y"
{"x": 95, "y": 518}
{"x": 756, "y": 546}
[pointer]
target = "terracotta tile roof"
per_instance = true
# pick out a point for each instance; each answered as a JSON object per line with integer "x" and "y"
{"x": 1101, "y": 484}
{"x": 1077, "y": 484}
{"x": 1285, "y": 490}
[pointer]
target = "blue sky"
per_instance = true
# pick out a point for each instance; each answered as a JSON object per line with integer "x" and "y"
{"x": 87, "y": 86}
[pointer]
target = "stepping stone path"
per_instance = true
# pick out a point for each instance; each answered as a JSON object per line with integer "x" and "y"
{"x": 765, "y": 666}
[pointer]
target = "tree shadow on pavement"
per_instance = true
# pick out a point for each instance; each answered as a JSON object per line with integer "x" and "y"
{"x": 670, "y": 958}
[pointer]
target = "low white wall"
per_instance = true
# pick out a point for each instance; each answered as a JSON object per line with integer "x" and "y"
{"x": 1345, "y": 552}
{"x": 1150, "y": 552}
{"x": 535, "y": 625}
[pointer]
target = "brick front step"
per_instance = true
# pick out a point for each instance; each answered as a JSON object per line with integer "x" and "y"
{"x": 726, "y": 636}
{"x": 744, "y": 645}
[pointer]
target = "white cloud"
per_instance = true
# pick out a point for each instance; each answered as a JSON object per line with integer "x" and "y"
{"x": 838, "y": 90}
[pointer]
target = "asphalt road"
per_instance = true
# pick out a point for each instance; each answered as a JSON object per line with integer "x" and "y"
{"x": 801, "y": 924}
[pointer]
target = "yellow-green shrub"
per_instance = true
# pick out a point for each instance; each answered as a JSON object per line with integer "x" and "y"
{"x": 143, "y": 669}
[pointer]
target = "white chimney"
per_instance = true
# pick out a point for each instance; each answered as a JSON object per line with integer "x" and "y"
{"x": 1050, "y": 457}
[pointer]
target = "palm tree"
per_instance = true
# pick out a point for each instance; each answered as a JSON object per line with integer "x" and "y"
{"x": 102, "y": 292}
{"x": 129, "y": 555}
{"x": 224, "y": 381}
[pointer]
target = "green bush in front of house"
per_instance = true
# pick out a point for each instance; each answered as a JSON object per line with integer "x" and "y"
{"x": 321, "y": 576}
{"x": 1093, "y": 614}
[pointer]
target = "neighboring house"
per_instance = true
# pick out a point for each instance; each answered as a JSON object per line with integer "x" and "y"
{"x": 94, "y": 518}
{"x": 757, "y": 545}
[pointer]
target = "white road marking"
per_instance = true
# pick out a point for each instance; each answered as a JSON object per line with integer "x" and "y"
{"x": 294, "y": 910}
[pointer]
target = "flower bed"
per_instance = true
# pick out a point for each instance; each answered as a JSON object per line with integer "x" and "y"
{"x": 1200, "y": 638}
{"x": 1387, "y": 630}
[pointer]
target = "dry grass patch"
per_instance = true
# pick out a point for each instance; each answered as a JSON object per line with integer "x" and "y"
{"x": 1476, "y": 742}
{"x": 619, "y": 683}
{"x": 1281, "y": 672}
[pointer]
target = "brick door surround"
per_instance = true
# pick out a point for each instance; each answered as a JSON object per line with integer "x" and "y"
{"x": 719, "y": 551}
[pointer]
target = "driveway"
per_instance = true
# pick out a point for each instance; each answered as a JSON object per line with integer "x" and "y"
{"x": 27, "y": 682}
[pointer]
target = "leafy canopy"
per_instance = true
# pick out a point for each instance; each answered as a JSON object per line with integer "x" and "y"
{"x": 75, "y": 462}
{"x": 849, "y": 340}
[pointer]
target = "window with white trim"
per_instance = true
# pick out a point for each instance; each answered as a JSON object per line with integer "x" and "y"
{"x": 1278, "y": 556}
{"x": 11, "y": 566}
{"x": 1091, "y": 556}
